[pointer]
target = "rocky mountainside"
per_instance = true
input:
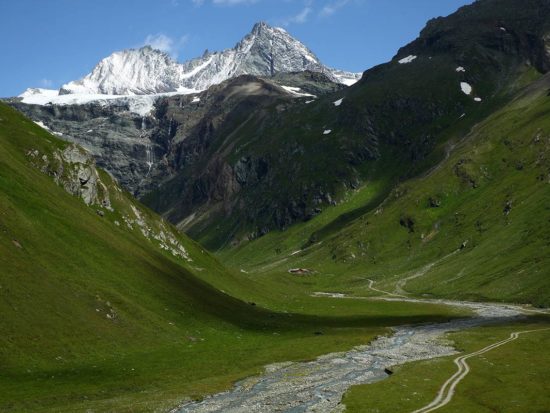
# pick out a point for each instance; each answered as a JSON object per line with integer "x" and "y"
{"x": 255, "y": 154}
{"x": 144, "y": 151}
{"x": 265, "y": 51}
{"x": 399, "y": 121}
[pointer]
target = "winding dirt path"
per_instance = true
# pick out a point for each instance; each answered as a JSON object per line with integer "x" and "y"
{"x": 447, "y": 390}
{"x": 371, "y": 287}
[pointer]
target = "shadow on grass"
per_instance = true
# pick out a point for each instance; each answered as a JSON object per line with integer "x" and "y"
{"x": 207, "y": 300}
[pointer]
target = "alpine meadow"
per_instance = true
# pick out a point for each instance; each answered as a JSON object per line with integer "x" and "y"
{"x": 253, "y": 230}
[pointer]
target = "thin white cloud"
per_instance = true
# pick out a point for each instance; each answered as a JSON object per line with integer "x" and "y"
{"x": 165, "y": 43}
{"x": 46, "y": 83}
{"x": 160, "y": 41}
{"x": 332, "y": 7}
{"x": 301, "y": 17}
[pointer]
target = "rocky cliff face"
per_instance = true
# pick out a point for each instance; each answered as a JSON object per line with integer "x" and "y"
{"x": 143, "y": 151}
{"x": 75, "y": 170}
{"x": 118, "y": 139}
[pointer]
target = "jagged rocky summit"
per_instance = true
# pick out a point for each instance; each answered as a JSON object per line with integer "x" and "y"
{"x": 265, "y": 51}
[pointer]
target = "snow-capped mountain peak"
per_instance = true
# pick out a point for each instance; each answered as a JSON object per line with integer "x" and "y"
{"x": 134, "y": 71}
{"x": 264, "y": 51}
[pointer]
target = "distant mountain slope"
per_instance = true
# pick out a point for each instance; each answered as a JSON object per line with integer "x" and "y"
{"x": 400, "y": 119}
{"x": 265, "y": 51}
{"x": 474, "y": 227}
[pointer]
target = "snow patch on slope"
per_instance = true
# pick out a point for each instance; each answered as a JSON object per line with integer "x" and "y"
{"x": 466, "y": 88}
{"x": 345, "y": 79}
{"x": 407, "y": 59}
{"x": 296, "y": 91}
{"x": 41, "y": 124}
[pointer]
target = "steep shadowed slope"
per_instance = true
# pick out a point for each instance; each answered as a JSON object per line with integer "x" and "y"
{"x": 291, "y": 161}
{"x": 474, "y": 227}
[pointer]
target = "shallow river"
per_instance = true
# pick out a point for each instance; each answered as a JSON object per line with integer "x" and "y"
{"x": 318, "y": 386}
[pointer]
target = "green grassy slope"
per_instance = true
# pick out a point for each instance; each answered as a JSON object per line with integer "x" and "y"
{"x": 492, "y": 193}
{"x": 99, "y": 316}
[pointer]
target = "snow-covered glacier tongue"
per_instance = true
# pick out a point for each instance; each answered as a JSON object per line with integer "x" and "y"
{"x": 140, "y": 76}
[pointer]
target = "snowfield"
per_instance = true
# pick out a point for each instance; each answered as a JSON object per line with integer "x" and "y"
{"x": 296, "y": 91}
{"x": 139, "y": 104}
{"x": 147, "y": 71}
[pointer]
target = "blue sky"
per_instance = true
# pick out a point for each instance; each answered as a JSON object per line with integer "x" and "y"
{"x": 49, "y": 42}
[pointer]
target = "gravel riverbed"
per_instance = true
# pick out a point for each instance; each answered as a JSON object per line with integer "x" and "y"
{"x": 318, "y": 386}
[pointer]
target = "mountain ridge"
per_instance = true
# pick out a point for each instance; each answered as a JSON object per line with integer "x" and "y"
{"x": 265, "y": 51}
